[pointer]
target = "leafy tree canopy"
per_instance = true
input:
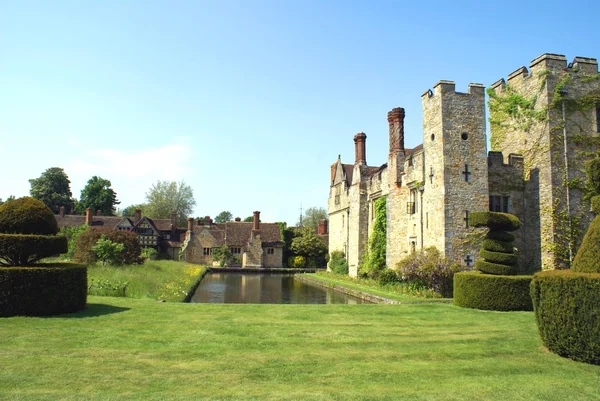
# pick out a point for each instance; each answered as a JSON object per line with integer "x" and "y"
{"x": 129, "y": 211}
{"x": 98, "y": 195}
{"x": 10, "y": 198}
{"x": 312, "y": 216}
{"x": 308, "y": 244}
{"x": 53, "y": 188}
{"x": 224, "y": 217}
{"x": 249, "y": 219}
{"x": 164, "y": 197}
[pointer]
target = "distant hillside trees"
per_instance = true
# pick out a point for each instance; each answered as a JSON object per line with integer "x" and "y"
{"x": 312, "y": 216}
{"x": 164, "y": 197}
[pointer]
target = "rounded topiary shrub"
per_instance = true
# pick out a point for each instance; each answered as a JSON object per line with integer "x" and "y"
{"x": 27, "y": 216}
{"x": 567, "y": 311}
{"x": 587, "y": 259}
{"x": 492, "y": 292}
{"x": 42, "y": 290}
{"x": 84, "y": 243}
{"x": 28, "y": 233}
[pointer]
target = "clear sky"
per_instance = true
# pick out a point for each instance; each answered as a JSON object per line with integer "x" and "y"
{"x": 249, "y": 102}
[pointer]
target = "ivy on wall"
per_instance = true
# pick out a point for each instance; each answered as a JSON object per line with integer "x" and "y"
{"x": 373, "y": 260}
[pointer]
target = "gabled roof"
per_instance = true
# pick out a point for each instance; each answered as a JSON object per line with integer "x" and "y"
{"x": 150, "y": 223}
{"x": 239, "y": 233}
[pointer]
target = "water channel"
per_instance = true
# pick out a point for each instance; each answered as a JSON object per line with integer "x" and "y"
{"x": 264, "y": 288}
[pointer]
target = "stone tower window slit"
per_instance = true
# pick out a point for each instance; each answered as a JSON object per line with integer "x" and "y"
{"x": 431, "y": 174}
{"x": 467, "y": 173}
{"x": 598, "y": 118}
{"x": 466, "y": 219}
{"x": 468, "y": 260}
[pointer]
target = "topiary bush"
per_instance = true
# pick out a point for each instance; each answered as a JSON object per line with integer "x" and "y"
{"x": 338, "y": 263}
{"x": 28, "y": 233}
{"x": 492, "y": 292}
{"x": 46, "y": 289}
{"x": 85, "y": 242}
{"x": 587, "y": 259}
{"x": 567, "y": 312}
{"x": 495, "y": 286}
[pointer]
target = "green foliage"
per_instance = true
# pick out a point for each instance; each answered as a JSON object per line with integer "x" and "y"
{"x": 10, "y": 198}
{"x": 107, "y": 288}
{"x": 98, "y": 195}
{"x": 27, "y": 216}
{"x": 108, "y": 251}
{"x": 224, "y": 256}
{"x": 53, "y": 188}
{"x": 595, "y": 203}
{"x": 429, "y": 269}
{"x": 495, "y": 268}
{"x": 492, "y": 292}
{"x": 87, "y": 239}
{"x": 388, "y": 277}
{"x": 129, "y": 211}
{"x": 373, "y": 260}
{"x": 312, "y": 216}
{"x": 501, "y": 258}
{"x": 43, "y": 290}
{"x": 164, "y": 197}
{"x": 338, "y": 263}
{"x": 500, "y": 236}
{"x": 566, "y": 310}
{"x": 497, "y": 246}
{"x": 249, "y": 219}
{"x": 149, "y": 253}
{"x": 224, "y": 217}
{"x": 26, "y": 250}
{"x": 308, "y": 244}
{"x": 286, "y": 235}
{"x": 592, "y": 171}
{"x": 297, "y": 262}
{"x": 495, "y": 221}
{"x": 587, "y": 259}
{"x": 71, "y": 234}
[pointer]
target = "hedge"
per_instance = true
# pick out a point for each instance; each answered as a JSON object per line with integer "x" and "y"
{"x": 500, "y": 258}
{"x": 491, "y": 292}
{"x": 500, "y": 236}
{"x": 23, "y": 250}
{"x": 42, "y": 290}
{"x": 27, "y": 216}
{"x": 86, "y": 240}
{"x": 567, "y": 310}
{"x": 595, "y": 204}
{"x": 495, "y": 221}
{"x": 497, "y": 246}
{"x": 495, "y": 268}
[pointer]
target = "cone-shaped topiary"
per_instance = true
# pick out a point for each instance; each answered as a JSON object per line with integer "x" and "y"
{"x": 587, "y": 259}
{"x": 497, "y": 252}
{"x": 28, "y": 233}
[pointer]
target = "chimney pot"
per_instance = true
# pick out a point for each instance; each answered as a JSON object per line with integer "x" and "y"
{"x": 396, "y": 126}
{"x": 360, "y": 148}
{"x": 238, "y": 219}
{"x": 138, "y": 215}
{"x": 61, "y": 211}
{"x": 323, "y": 227}
{"x": 88, "y": 216}
{"x": 256, "y": 221}
{"x": 174, "y": 217}
{"x": 190, "y": 223}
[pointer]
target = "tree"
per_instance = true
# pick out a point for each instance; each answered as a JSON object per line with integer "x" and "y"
{"x": 164, "y": 197}
{"x": 249, "y": 219}
{"x": 10, "y": 198}
{"x": 53, "y": 188}
{"x": 224, "y": 217}
{"x": 312, "y": 216}
{"x": 224, "y": 256}
{"x": 129, "y": 211}
{"x": 308, "y": 244}
{"x": 98, "y": 195}
{"x": 108, "y": 251}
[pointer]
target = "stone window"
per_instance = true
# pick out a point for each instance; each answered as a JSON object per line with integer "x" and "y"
{"x": 236, "y": 251}
{"x": 468, "y": 260}
{"x": 410, "y": 161}
{"x": 467, "y": 173}
{"x": 413, "y": 246}
{"x": 466, "y": 218}
{"x": 598, "y": 118}
{"x": 410, "y": 207}
{"x": 499, "y": 203}
{"x": 337, "y": 200}
{"x": 270, "y": 251}
{"x": 206, "y": 251}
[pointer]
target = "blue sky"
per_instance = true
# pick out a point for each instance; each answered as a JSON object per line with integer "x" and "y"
{"x": 249, "y": 102}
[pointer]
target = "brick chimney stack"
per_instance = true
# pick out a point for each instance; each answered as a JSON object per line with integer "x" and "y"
{"x": 174, "y": 217}
{"x": 323, "y": 227}
{"x": 256, "y": 221}
{"x": 98, "y": 212}
{"x": 61, "y": 211}
{"x": 190, "y": 224}
{"x": 360, "y": 148}
{"x": 238, "y": 219}
{"x": 138, "y": 216}
{"x": 396, "y": 122}
{"x": 89, "y": 216}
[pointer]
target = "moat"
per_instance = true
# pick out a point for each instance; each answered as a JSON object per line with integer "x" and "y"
{"x": 259, "y": 288}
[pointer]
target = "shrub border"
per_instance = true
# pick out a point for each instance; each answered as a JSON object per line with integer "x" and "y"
{"x": 492, "y": 292}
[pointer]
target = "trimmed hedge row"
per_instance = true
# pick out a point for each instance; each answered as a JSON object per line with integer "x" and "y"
{"x": 22, "y": 250}
{"x": 500, "y": 236}
{"x": 500, "y": 258}
{"x": 497, "y": 245}
{"x": 567, "y": 310}
{"x": 42, "y": 290}
{"x": 27, "y": 216}
{"x": 495, "y": 268}
{"x": 495, "y": 221}
{"x": 491, "y": 292}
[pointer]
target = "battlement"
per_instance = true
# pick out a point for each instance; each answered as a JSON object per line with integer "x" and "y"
{"x": 496, "y": 160}
{"x": 444, "y": 87}
{"x": 549, "y": 63}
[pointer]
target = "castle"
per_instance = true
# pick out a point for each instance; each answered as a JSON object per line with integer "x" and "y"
{"x": 544, "y": 124}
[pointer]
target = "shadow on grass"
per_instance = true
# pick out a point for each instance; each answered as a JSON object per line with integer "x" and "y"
{"x": 92, "y": 310}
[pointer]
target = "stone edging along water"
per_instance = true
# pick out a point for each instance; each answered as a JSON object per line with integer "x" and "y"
{"x": 365, "y": 296}
{"x": 261, "y": 270}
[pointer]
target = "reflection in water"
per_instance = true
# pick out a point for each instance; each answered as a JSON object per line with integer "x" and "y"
{"x": 257, "y": 288}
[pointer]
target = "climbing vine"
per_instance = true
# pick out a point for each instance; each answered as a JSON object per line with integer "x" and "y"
{"x": 373, "y": 260}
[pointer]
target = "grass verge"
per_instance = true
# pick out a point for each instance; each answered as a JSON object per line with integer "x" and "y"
{"x": 155, "y": 279}
{"x": 399, "y": 292}
{"x": 129, "y": 349}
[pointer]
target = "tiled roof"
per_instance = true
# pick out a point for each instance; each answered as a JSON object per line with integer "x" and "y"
{"x": 162, "y": 224}
{"x": 238, "y": 233}
{"x": 70, "y": 220}
{"x": 348, "y": 171}
{"x": 414, "y": 150}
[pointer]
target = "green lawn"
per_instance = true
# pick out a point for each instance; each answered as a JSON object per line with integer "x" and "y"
{"x": 399, "y": 292}
{"x": 122, "y": 348}
{"x": 168, "y": 280}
